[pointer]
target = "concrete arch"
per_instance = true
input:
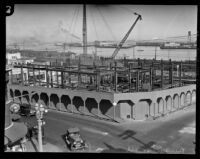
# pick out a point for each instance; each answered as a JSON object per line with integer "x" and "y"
{"x": 54, "y": 101}
{"x": 78, "y": 104}
{"x": 142, "y": 109}
{"x": 106, "y": 108}
{"x": 193, "y": 96}
{"x": 188, "y": 98}
{"x": 25, "y": 97}
{"x": 11, "y": 93}
{"x": 160, "y": 103}
{"x": 91, "y": 106}
{"x": 125, "y": 109}
{"x": 152, "y": 109}
{"x": 17, "y": 96}
{"x": 35, "y": 98}
{"x": 175, "y": 102}
{"x": 66, "y": 103}
{"x": 156, "y": 109}
{"x": 168, "y": 100}
{"x": 182, "y": 99}
{"x": 44, "y": 99}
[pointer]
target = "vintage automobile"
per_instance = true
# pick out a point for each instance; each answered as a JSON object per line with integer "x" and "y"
{"x": 74, "y": 140}
{"x": 26, "y": 110}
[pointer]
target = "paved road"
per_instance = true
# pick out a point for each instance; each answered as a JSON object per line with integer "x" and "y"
{"x": 118, "y": 138}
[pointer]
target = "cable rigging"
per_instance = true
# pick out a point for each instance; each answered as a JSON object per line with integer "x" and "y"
{"x": 66, "y": 41}
{"x": 106, "y": 24}
{"x": 95, "y": 29}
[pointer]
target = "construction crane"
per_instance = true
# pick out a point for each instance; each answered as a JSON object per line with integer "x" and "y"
{"x": 125, "y": 37}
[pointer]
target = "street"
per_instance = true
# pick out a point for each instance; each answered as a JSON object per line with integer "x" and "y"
{"x": 169, "y": 134}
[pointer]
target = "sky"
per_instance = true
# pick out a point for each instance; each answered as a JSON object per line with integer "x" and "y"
{"x": 63, "y": 23}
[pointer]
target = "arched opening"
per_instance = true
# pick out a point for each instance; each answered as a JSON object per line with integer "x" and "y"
{"x": 175, "y": 102}
{"x": 125, "y": 109}
{"x": 193, "y": 96}
{"x": 25, "y": 97}
{"x": 106, "y": 108}
{"x": 78, "y": 103}
{"x": 168, "y": 100}
{"x": 142, "y": 109}
{"x": 91, "y": 106}
{"x": 160, "y": 103}
{"x": 65, "y": 103}
{"x": 11, "y": 94}
{"x": 188, "y": 98}
{"x": 182, "y": 100}
{"x": 35, "y": 98}
{"x": 54, "y": 102}
{"x": 17, "y": 96}
{"x": 44, "y": 99}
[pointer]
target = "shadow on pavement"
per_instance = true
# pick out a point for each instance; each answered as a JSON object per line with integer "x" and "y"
{"x": 34, "y": 146}
{"x": 145, "y": 146}
{"x": 112, "y": 149}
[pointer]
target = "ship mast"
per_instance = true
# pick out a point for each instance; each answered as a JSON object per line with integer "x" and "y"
{"x": 84, "y": 30}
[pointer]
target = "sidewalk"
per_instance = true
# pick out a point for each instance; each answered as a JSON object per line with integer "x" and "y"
{"x": 32, "y": 146}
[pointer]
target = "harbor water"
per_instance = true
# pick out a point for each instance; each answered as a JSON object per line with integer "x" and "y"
{"x": 143, "y": 52}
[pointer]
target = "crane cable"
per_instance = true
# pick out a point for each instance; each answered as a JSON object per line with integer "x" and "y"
{"x": 95, "y": 29}
{"x": 74, "y": 15}
{"x": 75, "y": 22}
{"x": 106, "y": 24}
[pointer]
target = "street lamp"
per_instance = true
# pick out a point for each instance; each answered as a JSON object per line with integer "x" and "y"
{"x": 114, "y": 105}
{"x": 40, "y": 110}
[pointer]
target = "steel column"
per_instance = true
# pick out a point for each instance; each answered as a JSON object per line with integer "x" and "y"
{"x": 151, "y": 80}
{"x": 129, "y": 77}
{"x": 115, "y": 78}
{"x": 172, "y": 80}
{"x": 62, "y": 76}
{"x": 162, "y": 69}
{"x": 180, "y": 74}
{"x": 57, "y": 79}
{"x": 28, "y": 75}
{"x": 137, "y": 81}
{"x": 33, "y": 76}
{"x": 39, "y": 76}
{"x": 47, "y": 77}
{"x": 22, "y": 75}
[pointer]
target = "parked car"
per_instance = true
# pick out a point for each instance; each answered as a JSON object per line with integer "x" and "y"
{"x": 74, "y": 140}
{"x": 26, "y": 110}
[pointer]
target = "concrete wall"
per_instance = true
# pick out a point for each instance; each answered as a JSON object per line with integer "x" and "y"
{"x": 74, "y": 101}
{"x": 158, "y": 102}
{"x": 135, "y": 106}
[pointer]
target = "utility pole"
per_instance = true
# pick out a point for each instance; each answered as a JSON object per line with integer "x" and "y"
{"x": 40, "y": 110}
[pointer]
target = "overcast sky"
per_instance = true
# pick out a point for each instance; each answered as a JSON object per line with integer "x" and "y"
{"x": 53, "y": 23}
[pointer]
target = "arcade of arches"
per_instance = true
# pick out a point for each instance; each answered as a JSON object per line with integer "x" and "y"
{"x": 128, "y": 108}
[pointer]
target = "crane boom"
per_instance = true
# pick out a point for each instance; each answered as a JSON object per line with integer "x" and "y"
{"x": 126, "y": 36}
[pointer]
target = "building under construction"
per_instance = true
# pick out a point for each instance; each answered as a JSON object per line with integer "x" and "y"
{"x": 109, "y": 88}
{"x": 140, "y": 88}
